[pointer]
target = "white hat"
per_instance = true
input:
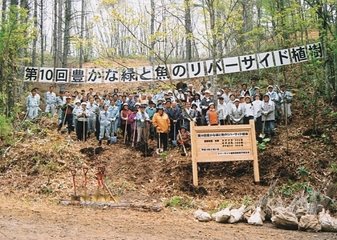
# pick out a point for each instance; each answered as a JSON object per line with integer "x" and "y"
{"x": 207, "y": 91}
{"x": 84, "y": 103}
{"x": 236, "y": 100}
{"x": 125, "y": 104}
{"x": 77, "y": 101}
{"x": 137, "y": 104}
{"x": 210, "y": 104}
{"x": 190, "y": 85}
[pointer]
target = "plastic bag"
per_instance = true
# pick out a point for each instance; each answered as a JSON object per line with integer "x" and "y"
{"x": 282, "y": 218}
{"x": 328, "y": 223}
{"x": 236, "y": 214}
{"x": 222, "y": 216}
{"x": 255, "y": 218}
{"x": 309, "y": 223}
{"x": 202, "y": 216}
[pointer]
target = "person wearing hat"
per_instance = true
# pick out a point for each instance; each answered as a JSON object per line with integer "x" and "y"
{"x": 133, "y": 126}
{"x": 258, "y": 91}
{"x": 268, "y": 115}
{"x": 143, "y": 124}
{"x": 249, "y": 110}
{"x": 197, "y": 119}
{"x": 50, "y": 100}
{"x": 93, "y": 110}
{"x": 274, "y": 96}
{"x": 222, "y": 110}
{"x": 125, "y": 126}
{"x": 258, "y": 113}
{"x": 76, "y": 108}
{"x": 67, "y": 115}
{"x": 236, "y": 113}
{"x": 212, "y": 117}
{"x": 209, "y": 86}
{"x": 114, "y": 117}
{"x": 82, "y": 122}
{"x": 151, "y": 110}
{"x": 105, "y": 125}
{"x": 161, "y": 123}
{"x": 205, "y": 105}
{"x": 184, "y": 138}
{"x": 32, "y": 104}
{"x": 286, "y": 100}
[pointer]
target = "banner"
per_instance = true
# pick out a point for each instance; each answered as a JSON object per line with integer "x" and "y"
{"x": 177, "y": 71}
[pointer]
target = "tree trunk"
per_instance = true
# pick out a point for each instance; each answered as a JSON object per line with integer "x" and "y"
{"x": 59, "y": 33}
{"x": 55, "y": 42}
{"x": 35, "y": 38}
{"x": 66, "y": 37}
{"x": 82, "y": 35}
{"x": 188, "y": 30}
{"x": 41, "y": 32}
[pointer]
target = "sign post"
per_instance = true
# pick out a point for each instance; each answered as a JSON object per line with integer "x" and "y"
{"x": 223, "y": 144}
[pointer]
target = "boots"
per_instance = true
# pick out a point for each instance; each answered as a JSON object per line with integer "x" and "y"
{"x": 100, "y": 143}
{"x": 108, "y": 142}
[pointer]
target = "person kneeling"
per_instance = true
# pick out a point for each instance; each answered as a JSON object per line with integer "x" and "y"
{"x": 184, "y": 139}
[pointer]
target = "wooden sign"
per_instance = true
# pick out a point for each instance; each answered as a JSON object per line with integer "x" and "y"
{"x": 223, "y": 144}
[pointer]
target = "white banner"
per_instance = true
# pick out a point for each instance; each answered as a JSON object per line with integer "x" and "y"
{"x": 177, "y": 71}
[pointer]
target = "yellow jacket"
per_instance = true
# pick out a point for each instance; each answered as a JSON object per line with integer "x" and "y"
{"x": 163, "y": 122}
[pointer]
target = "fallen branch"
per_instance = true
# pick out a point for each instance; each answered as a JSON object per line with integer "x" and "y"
{"x": 143, "y": 208}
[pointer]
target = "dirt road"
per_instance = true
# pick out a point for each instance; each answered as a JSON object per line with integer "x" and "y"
{"x": 43, "y": 220}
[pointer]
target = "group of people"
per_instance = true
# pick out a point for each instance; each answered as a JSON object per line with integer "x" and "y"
{"x": 166, "y": 115}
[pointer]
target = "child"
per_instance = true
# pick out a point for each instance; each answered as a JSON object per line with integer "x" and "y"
{"x": 184, "y": 138}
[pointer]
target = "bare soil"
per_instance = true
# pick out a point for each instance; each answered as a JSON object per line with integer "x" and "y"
{"x": 45, "y": 220}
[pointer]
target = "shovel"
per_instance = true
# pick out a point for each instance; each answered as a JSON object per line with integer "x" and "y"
{"x": 262, "y": 135}
{"x": 174, "y": 141}
{"x": 75, "y": 197}
{"x": 158, "y": 151}
{"x": 85, "y": 198}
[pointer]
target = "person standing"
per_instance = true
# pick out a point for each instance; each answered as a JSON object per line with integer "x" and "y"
{"x": 60, "y": 101}
{"x": 249, "y": 110}
{"x": 32, "y": 104}
{"x": 258, "y": 113}
{"x": 143, "y": 120}
{"x": 105, "y": 125}
{"x": 151, "y": 110}
{"x": 50, "y": 99}
{"x": 268, "y": 115}
{"x": 67, "y": 115}
{"x": 222, "y": 111}
{"x": 286, "y": 99}
{"x": 114, "y": 116}
{"x": 174, "y": 115}
{"x": 161, "y": 123}
{"x": 212, "y": 117}
{"x": 126, "y": 128}
{"x": 205, "y": 105}
{"x": 236, "y": 113}
{"x": 82, "y": 122}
